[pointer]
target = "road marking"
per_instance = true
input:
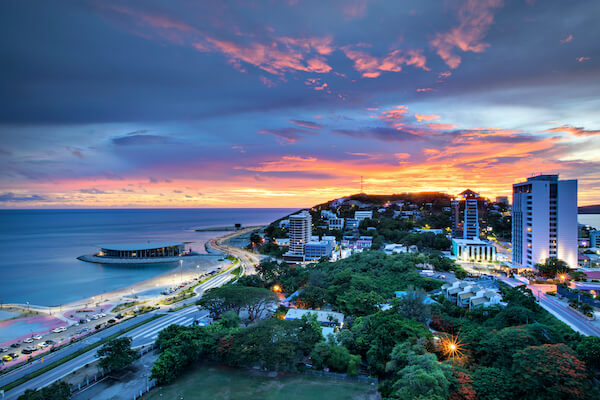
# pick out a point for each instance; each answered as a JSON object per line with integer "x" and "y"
{"x": 163, "y": 326}
{"x": 186, "y": 322}
{"x": 168, "y": 321}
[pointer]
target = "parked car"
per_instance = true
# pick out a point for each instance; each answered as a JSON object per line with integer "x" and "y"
{"x": 37, "y": 337}
{"x": 6, "y": 357}
{"x": 28, "y": 350}
{"x": 15, "y": 345}
{"x": 28, "y": 340}
{"x": 49, "y": 342}
{"x": 42, "y": 345}
{"x": 3, "y": 349}
{"x": 13, "y": 355}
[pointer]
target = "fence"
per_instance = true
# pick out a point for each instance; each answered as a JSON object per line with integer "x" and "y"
{"x": 90, "y": 380}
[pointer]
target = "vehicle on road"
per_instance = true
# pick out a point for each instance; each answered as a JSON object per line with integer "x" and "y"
{"x": 15, "y": 345}
{"x": 3, "y": 349}
{"x": 49, "y": 342}
{"x": 42, "y": 345}
{"x": 59, "y": 330}
{"x": 28, "y": 350}
{"x": 28, "y": 340}
{"x": 13, "y": 355}
{"x": 7, "y": 358}
{"x": 37, "y": 337}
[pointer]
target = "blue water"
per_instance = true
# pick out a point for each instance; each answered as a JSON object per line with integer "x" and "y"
{"x": 38, "y": 248}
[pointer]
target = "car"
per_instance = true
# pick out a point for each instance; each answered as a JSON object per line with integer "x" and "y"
{"x": 28, "y": 340}
{"x": 13, "y": 355}
{"x": 15, "y": 345}
{"x": 7, "y": 358}
{"x": 103, "y": 315}
{"x": 42, "y": 345}
{"x": 49, "y": 342}
{"x": 28, "y": 350}
{"x": 37, "y": 337}
{"x": 3, "y": 349}
{"x": 56, "y": 330}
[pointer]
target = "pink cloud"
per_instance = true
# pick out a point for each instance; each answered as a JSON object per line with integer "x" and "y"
{"x": 576, "y": 131}
{"x": 475, "y": 18}
{"x": 568, "y": 39}
{"x": 394, "y": 116}
{"x": 371, "y": 67}
{"x": 425, "y": 117}
{"x": 427, "y": 89}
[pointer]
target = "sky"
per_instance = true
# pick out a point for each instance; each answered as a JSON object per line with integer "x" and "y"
{"x": 281, "y": 103}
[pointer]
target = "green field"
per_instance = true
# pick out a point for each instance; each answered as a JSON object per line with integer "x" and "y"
{"x": 223, "y": 383}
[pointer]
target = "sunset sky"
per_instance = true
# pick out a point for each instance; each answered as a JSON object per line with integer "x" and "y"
{"x": 288, "y": 103}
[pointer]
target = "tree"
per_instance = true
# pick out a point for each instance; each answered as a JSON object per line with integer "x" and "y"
{"x": 235, "y": 298}
{"x": 493, "y": 383}
{"x": 422, "y": 378}
{"x": 552, "y": 267}
{"x": 230, "y": 320}
{"x": 588, "y": 350}
{"x": 56, "y": 391}
{"x": 413, "y": 305}
{"x": 335, "y": 357}
{"x": 497, "y": 348}
{"x": 117, "y": 354}
{"x": 549, "y": 371}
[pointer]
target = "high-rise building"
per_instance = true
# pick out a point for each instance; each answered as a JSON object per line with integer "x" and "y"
{"x": 300, "y": 230}
{"x": 469, "y": 215}
{"x": 544, "y": 221}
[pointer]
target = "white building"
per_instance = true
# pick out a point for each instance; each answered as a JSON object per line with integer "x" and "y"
{"x": 544, "y": 221}
{"x": 473, "y": 250}
{"x": 335, "y": 223}
{"x": 326, "y": 214}
{"x": 594, "y": 238}
{"x": 352, "y": 223}
{"x": 360, "y": 215}
{"x": 316, "y": 250}
{"x": 395, "y": 248}
{"x": 300, "y": 233}
{"x": 330, "y": 239}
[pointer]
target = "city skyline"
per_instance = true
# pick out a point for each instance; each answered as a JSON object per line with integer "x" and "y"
{"x": 289, "y": 104}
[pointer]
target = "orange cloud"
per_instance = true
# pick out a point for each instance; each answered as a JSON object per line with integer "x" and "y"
{"x": 372, "y": 67}
{"x": 394, "y": 116}
{"x": 427, "y": 89}
{"x": 475, "y": 18}
{"x": 576, "y": 131}
{"x": 425, "y": 117}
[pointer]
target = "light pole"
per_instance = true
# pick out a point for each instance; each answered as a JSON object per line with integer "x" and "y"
{"x": 181, "y": 271}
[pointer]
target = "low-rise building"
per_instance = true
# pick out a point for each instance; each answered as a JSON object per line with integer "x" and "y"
{"x": 316, "y": 250}
{"x": 395, "y": 248}
{"x": 360, "y": 215}
{"x": 473, "y": 250}
{"x": 364, "y": 242}
{"x": 326, "y": 214}
{"x": 282, "y": 242}
{"x": 326, "y": 318}
{"x": 352, "y": 223}
{"x": 335, "y": 223}
{"x": 471, "y": 295}
{"x": 485, "y": 298}
{"x": 331, "y": 239}
{"x": 594, "y": 238}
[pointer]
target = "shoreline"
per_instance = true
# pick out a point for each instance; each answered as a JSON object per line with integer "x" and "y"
{"x": 192, "y": 267}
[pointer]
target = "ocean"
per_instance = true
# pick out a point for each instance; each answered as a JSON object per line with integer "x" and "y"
{"x": 39, "y": 248}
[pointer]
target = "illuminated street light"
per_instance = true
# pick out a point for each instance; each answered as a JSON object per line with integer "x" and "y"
{"x": 276, "y": 289}
{"x": 452, "y": 347}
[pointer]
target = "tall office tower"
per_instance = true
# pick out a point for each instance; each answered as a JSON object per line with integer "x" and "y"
{"x": 300, "y": 232}
{"x": 469, "y": 215}
{"x": 544, "y": 221}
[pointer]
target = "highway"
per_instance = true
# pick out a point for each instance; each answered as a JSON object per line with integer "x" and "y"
{"x": 570, "y": 317}
{"x": 141, "y": 336}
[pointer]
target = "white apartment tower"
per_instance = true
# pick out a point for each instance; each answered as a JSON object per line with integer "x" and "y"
{"x": 544, "y": 221}
{"x": 300, "y": 232}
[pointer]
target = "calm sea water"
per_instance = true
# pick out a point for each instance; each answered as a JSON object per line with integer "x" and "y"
{"x": 590, "y": 219}
{"x": 38, "y": 248}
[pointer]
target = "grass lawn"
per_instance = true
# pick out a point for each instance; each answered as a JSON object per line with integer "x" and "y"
{"x": 223, "y": 383}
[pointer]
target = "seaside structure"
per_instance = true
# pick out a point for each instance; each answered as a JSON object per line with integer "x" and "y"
{"x": 300, "y": 234}
{"x": 468, "y": 215}
{"x": 544, "y": 221}
{"x": 139, "y": 253}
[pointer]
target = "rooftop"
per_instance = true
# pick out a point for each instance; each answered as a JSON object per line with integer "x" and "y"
{"x": 140, "y": 246}
{"x": 322, "y": 316}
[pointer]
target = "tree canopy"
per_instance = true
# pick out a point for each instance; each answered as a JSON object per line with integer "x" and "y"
{"x": 117, "y": 354}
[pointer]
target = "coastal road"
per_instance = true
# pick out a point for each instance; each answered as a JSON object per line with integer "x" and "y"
{"x": 141, "y": 336}
{"x": 564, "y": 313}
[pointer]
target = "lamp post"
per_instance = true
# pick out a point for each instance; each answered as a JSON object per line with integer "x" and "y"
{"x": 181, "y": 271}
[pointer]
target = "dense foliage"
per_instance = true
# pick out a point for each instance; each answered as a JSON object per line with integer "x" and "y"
{"x": 117, "y": 354}
{"x": 55, "y": 391}
{"x": 253, "y": 300}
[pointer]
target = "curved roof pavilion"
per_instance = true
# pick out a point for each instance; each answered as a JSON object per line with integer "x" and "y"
{"x": 142, "y": 250}
{"x": 140, "y": 246}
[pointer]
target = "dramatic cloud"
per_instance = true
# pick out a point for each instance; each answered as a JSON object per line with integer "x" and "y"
{"x": 576, "y": 131}
{"x": 475, "y": 18}
{"x": 371, "y": 67}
